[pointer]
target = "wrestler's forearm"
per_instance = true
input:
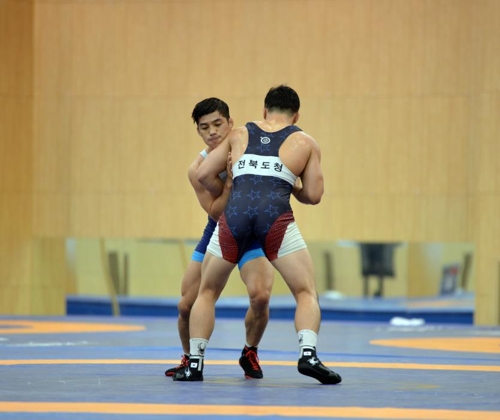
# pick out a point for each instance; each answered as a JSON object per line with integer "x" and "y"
{"x": 303, "y": 197}
{"x": 220, "y": 202}
{"x": 210, "y": 180}
{"x": 214, "y": 186}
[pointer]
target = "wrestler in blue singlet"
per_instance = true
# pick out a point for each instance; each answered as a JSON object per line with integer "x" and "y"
{"x": 253, "y": 251}
{"x": 259, "y": 204}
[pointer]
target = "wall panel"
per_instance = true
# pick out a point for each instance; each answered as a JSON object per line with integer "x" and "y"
{"x": 487, "y": 134}
{"x": 487, "y": 48}
{"x": 488, "y": 265}
{"x": 487, "y": 210}
{"x": 444, "y": 160}
{"x": 16, "y": 171}
{"x": 16, "y": 49}
{"x": 53, "y": 31}
{"x": 16, "y": 113}
{"x": 448, "y": 66}
{"x": 51, "y": 147}
{"x": 373, "y": 145}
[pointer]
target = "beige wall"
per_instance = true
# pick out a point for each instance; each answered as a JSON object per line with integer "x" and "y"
{"x": 402, "y": 96}
{"x": 16, "y": 165}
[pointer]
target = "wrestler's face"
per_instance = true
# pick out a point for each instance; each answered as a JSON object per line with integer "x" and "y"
{"x": 213, "y": 128}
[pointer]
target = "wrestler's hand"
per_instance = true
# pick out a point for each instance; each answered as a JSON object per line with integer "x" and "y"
{"x": 229, "y": 172}
{"x": 229, "y": 166}
{"x": 297, "y": 188}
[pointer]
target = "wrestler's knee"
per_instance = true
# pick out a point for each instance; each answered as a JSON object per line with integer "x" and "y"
{"x": 185, "y": 305}
{"x": 259, "y": 294}
{"x": 305, "y": 294}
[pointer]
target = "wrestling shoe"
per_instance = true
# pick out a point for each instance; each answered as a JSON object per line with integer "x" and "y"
{"x": 191, "y": 373}
{"x": 249, "y": 362}
{"x": 310, "y": 365}
{"x": 174, "y": 370}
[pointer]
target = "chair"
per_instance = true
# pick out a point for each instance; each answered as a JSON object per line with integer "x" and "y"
{"x": 377, "y": 259}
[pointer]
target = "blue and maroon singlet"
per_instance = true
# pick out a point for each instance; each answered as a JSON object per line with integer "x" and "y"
{"x": 254, "y": 251}
{"x": 259, "y": 204}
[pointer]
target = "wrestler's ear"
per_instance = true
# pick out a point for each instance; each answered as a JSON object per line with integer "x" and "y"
{"x": 296, "y": 118}
{"x": 265, "y": 113}
{"x": 231, "y": 123}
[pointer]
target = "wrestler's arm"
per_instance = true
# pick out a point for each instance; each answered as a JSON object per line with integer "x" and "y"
{"x": 208, "y": 172}
{"x": 310, "y": 188}
{"x": 213, "y": 205}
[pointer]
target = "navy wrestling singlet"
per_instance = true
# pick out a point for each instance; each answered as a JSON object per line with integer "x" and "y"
{"x": 259, "y": 204}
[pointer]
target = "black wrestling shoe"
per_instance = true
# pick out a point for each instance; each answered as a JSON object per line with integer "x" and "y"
{"x": 191, "y": 373}
{"x": 249, "y": 362}
{"x": 310, "y": 365}
{"x": 182, "y": 366}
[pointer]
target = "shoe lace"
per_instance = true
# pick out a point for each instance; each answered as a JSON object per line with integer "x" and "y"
{"x": 184, "y": 361}
{"x": 252, "y": 357}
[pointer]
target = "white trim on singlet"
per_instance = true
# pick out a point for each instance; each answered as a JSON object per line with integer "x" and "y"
{"x": 250, "y": 164}
{"x": 204, "y": 153}
{"x": 292, "y": 241}
{"x": 214, "y": 245}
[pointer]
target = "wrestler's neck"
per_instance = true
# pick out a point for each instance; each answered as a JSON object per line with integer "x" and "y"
{"x": 274, "y": 121}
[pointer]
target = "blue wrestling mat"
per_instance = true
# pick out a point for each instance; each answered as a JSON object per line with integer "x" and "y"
{"x": 107, "y": 368}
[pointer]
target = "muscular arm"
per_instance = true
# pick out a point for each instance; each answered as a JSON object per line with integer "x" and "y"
{"x": 207, "y": 174}
{"x": 213, "y": 205}
{"x": 310, "y": 188}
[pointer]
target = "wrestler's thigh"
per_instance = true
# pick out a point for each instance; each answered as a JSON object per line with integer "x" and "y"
{"x": 258, "y": 274}
{"x": 215, "y": 273}
{"x": 191, "y": 280}
{"x": 297, "y": 270}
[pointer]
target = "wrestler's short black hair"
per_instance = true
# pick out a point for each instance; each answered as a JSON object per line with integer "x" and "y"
{"x": 282, "y": 98}
{"x": 209, "y": 105}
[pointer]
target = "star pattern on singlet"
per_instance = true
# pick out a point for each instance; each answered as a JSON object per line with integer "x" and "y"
{"x": 236, "y": 194}
{"x": 263, "y": 148}
{"x": 274, "y": 181}
{"x": 272, "y": 210}
{"x": 256, "y": 179}
{"x": 231, "y": 211}
{"x": 253, "y": 195}
{"x": 273, "y": 195}
{"x": 251, "y": 212}
{"x": 238, "y": 181}
{"x": 251, "y": 129}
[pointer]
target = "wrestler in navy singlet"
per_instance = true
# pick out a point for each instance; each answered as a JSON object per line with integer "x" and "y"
{"x": 201, "y": 247}
{"x": 259, "y": 204}
{"x": 253, "y": 251}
